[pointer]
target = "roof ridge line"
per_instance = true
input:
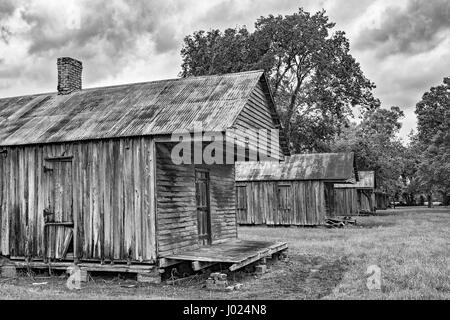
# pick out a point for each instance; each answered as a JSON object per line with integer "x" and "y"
{"x": 137, "y": 83}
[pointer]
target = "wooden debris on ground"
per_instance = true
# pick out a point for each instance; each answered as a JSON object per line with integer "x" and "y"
{"x": 260, "y": 269}
{"x": 219, "y": 282}
{"x": 184, "y": 280}
{"x": 340, "y": 222}
{"x": 366, "y": 213}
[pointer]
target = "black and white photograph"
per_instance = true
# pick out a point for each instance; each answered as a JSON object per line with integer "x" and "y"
{"x": 224, "y": 154}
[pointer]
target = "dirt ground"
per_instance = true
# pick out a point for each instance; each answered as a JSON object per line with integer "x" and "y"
{"x": 410, "y": 245}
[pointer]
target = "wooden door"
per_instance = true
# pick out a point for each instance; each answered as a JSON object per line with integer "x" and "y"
{"x": 284, "y": 204}
{"x": 241, "y": 204}
{"x": 58, "y": 212}
{"x": 330, "y": 200}
{"x": 203, "y": 207}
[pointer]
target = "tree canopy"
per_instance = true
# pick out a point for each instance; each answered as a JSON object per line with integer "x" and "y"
{"x": 374, "y": 140}
{"x": 433, "y": 136}
{"x": 314, "y": 79}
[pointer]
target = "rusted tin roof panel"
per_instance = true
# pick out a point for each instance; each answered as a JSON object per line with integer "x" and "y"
{"x": 336, "y": 167}
{"x": 366, "y": 181}
{"x": 151, "y": 108}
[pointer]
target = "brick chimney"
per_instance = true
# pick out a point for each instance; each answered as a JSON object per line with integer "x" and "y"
{"x": 69, "y": 75}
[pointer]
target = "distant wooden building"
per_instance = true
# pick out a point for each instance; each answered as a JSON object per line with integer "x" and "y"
{"x": 352, "y": 199}
{"x": 87, "y": 175}
{"x": 297, "y": 191}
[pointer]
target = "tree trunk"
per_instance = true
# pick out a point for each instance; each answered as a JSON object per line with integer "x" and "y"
{"x": 410, "y": 200}
{"x": 445, "y": 199}
{"x": 413, "y": 199}
{"x": 290, "y": 110}
{"x": 430, "y": 200}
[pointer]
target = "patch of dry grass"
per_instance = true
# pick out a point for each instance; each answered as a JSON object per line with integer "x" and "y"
{"x": 411, "y": 245}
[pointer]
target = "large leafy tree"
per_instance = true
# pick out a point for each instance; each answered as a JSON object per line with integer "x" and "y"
{"x": 433, "y": 115}
{"x": 315, "y": 80}
{"x": 410, "y": 184}
{"x": 377, "y": 147}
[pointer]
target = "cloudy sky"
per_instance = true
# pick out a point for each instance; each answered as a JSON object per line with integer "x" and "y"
{"x": 403, "y": 46}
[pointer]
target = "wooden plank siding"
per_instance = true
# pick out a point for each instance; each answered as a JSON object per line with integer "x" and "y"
{"x": 346, "y": 202}
{"x": 351, "y": 201}
{"x": 297, "y": 203}
{"x": 176, "y": 205}
{"x": 330, "y": 199}
{"x": 111, "y": 199}
{"x": 257, "y": 114}
{"x": 366, "y": 201}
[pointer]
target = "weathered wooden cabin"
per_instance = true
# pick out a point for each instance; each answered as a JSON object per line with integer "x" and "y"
{"x": 87, "y": 175}
{"x": 353, "y": 199}
{"x": 297, "y": 191}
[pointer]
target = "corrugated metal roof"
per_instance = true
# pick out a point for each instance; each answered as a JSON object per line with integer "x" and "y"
{"x": 336, "y": 167}
{"x": 366, "y": 181}
{"x": 151, "y": 108}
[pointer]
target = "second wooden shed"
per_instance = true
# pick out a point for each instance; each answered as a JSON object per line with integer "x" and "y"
{"x": 353, "y": 199}
{"x": 297, "y": 191}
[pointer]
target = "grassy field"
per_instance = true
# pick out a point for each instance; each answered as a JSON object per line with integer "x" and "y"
{"x": 410, "y": 245}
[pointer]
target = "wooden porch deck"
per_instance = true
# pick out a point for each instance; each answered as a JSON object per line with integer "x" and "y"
{"x": 238, "y": 253}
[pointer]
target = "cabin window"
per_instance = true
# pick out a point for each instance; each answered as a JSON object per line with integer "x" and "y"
{"x": 241, "y": 197}
{"x": 284, "y": 197}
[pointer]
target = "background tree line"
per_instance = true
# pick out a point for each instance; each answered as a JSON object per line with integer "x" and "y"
{"x": 318, "y": 88}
